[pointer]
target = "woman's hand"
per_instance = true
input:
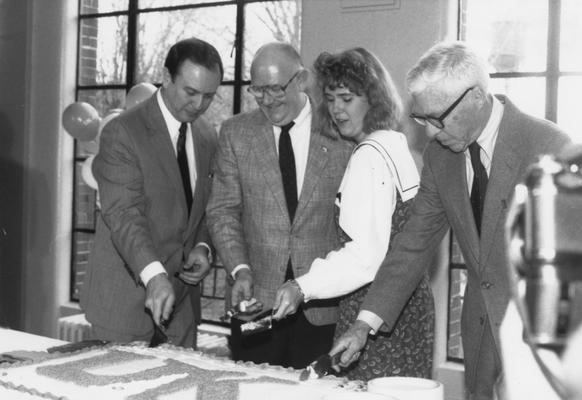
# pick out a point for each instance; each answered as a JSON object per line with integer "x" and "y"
{"x": 287, "y": 300}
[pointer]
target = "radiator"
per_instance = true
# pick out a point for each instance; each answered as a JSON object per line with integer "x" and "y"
{"x": 211, "y": 339}
{"x": 74, "y": 328}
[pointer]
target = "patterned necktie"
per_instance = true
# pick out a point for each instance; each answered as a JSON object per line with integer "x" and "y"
{"x": 183, "y": 164}
{"x": 287, "y": 166}
{"x": 479, "y": 187}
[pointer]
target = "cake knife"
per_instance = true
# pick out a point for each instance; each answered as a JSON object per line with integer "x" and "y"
{"x": 320, "y": 367}
{"x": 159, "y": 337}
{"x": 260, "y": 323}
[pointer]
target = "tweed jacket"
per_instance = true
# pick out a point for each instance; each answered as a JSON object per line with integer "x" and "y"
{"x": 247, "y": 213}
{"x": 442, "y": 203}
{"x": 144, "y": 216}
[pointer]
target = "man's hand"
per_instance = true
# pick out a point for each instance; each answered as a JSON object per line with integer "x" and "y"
{"x": 160, "y": 298}
{"x": 350, "y": 343}
{"x": 287, "y": 300}
{"x": 242, "y": 289}
{"x": 196, "y": 267}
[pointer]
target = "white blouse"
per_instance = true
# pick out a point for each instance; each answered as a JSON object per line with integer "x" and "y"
{"x": 368, "y": 199}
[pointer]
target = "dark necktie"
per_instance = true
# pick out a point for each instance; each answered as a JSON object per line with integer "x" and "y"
{"x": 288, "y": 173}
{"x": 479, "y": 184}
{"x": 183, "y": 164}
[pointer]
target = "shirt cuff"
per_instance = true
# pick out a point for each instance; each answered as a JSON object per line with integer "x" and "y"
{"x": 371, "y": 319}
{"x": 238, "y": 268}
{"x": 210, "y": 257}
{"x": 152, "y": 269}
{"x": 305, "y": 288}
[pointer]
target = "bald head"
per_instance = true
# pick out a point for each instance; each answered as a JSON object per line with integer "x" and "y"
{"x": 279, "y": 79}
{"x": 280, "y": 56}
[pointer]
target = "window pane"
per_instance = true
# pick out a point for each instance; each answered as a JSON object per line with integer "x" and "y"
{"x": 512, "y": 39}
{"x": 104, "y": 101}
{"x": 158, "y": 31}
{"x": 270, "y": 21}
{"x": 82, "y": 245}
{"x": 103, "y": 6}
{"x": 571, "y": 35}
{"x": 221, "y": 107}
{"x": 170, "y": 3}
{"x": 569, "y": 89}
{"x": 102, "y": 50}
{"x": 85, "y": 201}
{"x": 526, "y": 93}
{"x": 458, "y": 281}
{"x": 248, "y": 100}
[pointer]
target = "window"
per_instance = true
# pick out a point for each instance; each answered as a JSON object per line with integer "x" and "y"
{"x": 533, "y": 50}
{"x": 533, "y": 53}
{"x": 124, "y": 42}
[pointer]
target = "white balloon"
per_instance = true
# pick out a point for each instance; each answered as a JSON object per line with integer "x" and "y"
{"x": 87, "y": 173}
{"x": 138, "y": 93}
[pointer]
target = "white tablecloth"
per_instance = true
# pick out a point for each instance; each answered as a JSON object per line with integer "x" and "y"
{"x": 11, "y": 340}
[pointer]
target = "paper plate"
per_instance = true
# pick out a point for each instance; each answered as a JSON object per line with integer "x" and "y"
{"x": 405, "y": 388}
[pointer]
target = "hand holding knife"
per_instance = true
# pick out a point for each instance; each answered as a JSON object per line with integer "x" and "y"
{"x": 321, "y": 367}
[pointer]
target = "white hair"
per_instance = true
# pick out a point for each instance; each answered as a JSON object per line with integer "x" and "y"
{"x": 449, "y": 67}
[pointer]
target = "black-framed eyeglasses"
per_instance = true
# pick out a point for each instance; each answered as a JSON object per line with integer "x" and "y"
{"x": 272, "y": 90}
{"x": 438, "y": 121}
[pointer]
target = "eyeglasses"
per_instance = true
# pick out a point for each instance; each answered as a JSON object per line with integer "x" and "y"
{"x": 272, "y": 90}
{"x": 438, "y": 121}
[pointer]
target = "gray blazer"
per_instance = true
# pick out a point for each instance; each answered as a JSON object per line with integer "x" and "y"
{"x": 247, "y": 212}
{"x": 442, "y": 203}
{"x": 143, "y": 217}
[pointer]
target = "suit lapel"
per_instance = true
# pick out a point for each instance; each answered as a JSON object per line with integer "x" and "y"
{"x": 268, "y": 160}
{"x": 317, "y": 159}
{"x": 201, "y": 155}
{"x": 455, "y": 182}
{"x": 162, "y": 147}
{"x": 505, "y": 169}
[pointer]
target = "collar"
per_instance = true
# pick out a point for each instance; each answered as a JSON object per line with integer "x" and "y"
{"x": 303, "y": 116}
{"x": 172, "y": 123}
{"x": 488, "y": 136}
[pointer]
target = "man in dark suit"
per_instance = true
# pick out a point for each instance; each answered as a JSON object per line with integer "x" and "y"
{"x": 482, "y": 147}
{"x": 269, "y": 219}
{"x": 153, "y": 170}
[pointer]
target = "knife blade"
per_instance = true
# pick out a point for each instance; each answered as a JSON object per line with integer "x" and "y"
{"x": 260, "y": 323}
{"x": 320, "y": 367}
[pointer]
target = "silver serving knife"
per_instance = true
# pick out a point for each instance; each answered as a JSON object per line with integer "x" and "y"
{"x": 260, "y": 323}
{"x": 320, "y": 367}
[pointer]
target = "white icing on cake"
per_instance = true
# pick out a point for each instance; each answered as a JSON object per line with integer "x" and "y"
{"x": 167, "y": 372}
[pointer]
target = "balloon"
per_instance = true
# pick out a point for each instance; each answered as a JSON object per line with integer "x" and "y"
{"x": 138, "y": 93}
{"x": 92, "y": 147}
{"x": 81, "y": 121}
{"x": 87, "y": 173}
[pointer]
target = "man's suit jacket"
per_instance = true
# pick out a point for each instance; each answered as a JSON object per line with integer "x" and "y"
{"x": 443, "y": 202}
{"x": 143, "y": 216}
{"x": 247, "y": 212}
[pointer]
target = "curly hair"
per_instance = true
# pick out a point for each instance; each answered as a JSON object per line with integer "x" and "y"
{"x": 364, "y": 75}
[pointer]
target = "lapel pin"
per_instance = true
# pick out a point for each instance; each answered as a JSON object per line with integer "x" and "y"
{"x": 324, "y": 149}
